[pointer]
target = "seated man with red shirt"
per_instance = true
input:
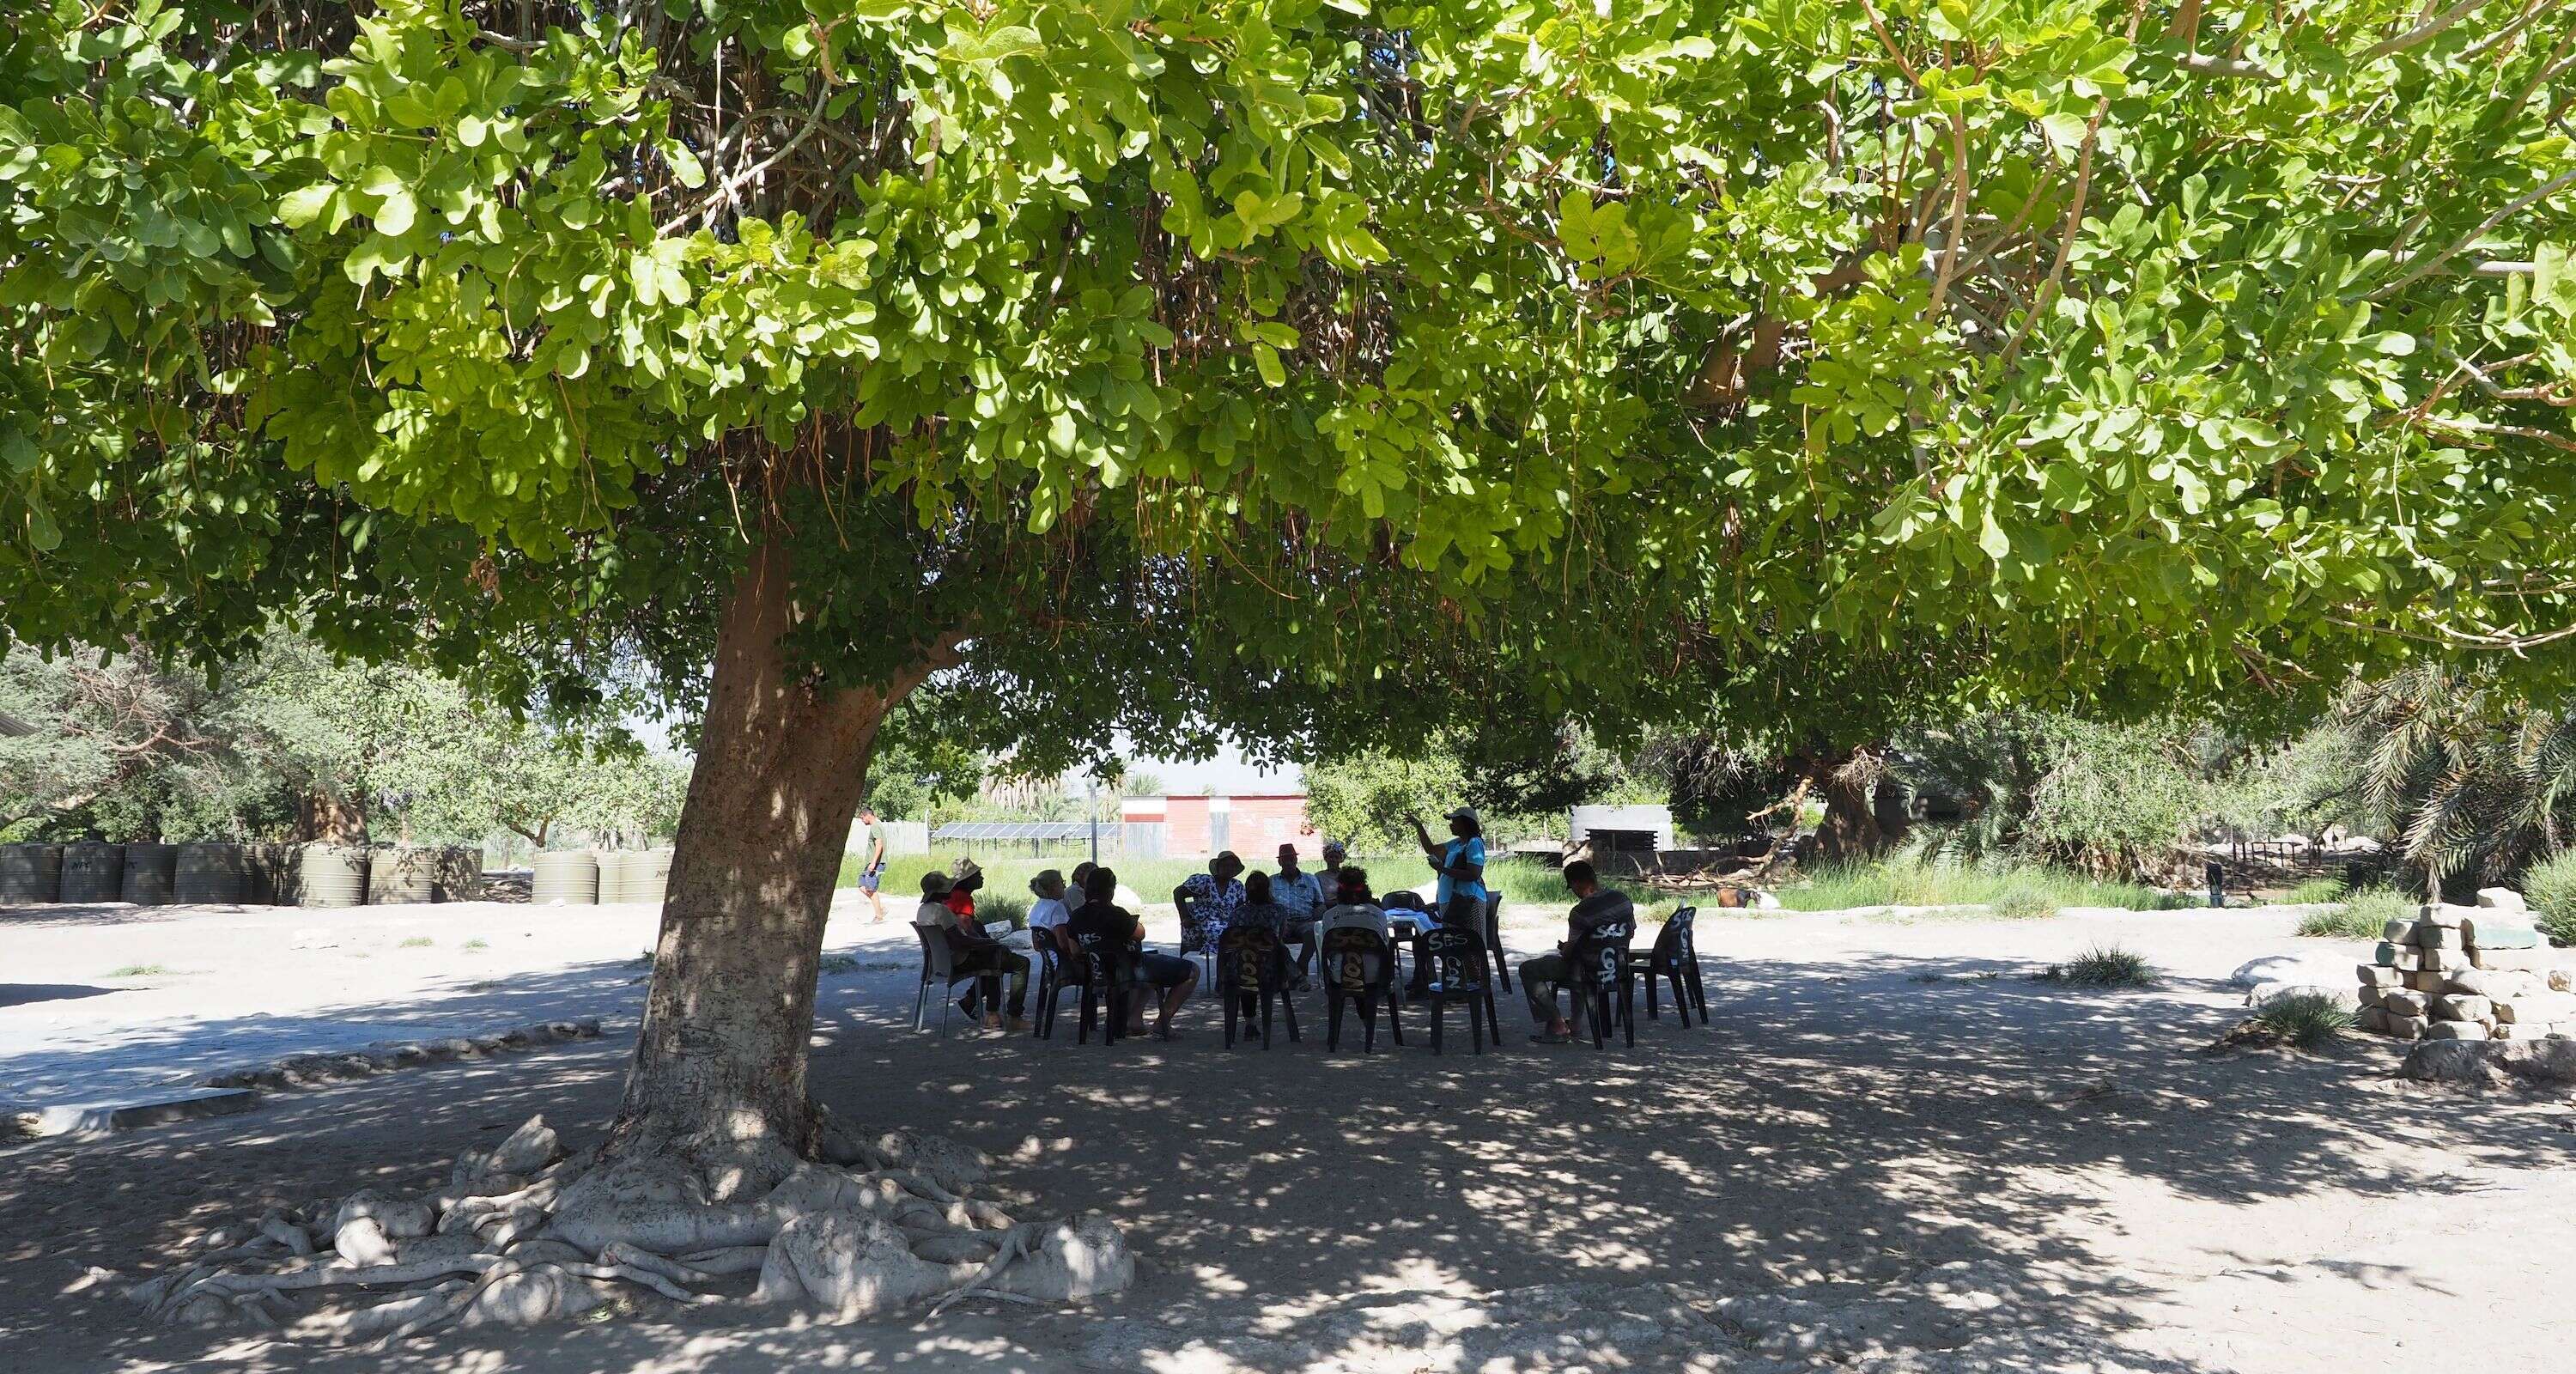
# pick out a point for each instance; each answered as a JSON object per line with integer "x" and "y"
{"x": 971, "y": 951}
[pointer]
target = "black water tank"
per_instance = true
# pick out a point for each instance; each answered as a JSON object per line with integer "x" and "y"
{"x": 93, "y": 873}
{"x": 151, "y": 871}
{"x": 30, "y": 873}
{"x": 210, "y": 874}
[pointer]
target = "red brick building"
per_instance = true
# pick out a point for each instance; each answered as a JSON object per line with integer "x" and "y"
{"x": 1252, "y": 825}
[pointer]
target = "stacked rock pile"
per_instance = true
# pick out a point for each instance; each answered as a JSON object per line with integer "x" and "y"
{"x": 2466, "y": 973}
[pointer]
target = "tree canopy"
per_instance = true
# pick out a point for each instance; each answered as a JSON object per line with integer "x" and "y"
{"x": 2144, "y": 350}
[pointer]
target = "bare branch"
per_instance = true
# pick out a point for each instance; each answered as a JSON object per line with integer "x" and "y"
{"x": 2422, "y": 33}
{"x": 2430, "y": 263}
{"x": 2542, "y": 436}
{"x": 2235, "y": 67}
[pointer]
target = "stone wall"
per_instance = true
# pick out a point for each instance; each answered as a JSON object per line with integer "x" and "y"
{"x": 2466, "y": 973}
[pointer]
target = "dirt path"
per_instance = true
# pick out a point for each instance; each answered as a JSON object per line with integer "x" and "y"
{"x": 1977, "y": 1172}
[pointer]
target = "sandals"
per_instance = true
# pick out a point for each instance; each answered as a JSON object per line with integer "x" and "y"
{"x": 1550, "y": 1038}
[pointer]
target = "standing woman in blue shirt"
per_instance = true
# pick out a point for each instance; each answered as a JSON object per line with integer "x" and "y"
{"x": 1460, "y": 861}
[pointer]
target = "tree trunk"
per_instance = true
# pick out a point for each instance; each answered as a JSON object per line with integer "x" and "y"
{"x": 720, "y": 1061}
{"x": 1864, "y": 810}
{"x": 328, "y": 816}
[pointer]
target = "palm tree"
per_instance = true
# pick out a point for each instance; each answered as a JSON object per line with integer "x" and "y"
{"x": 2479, "y": 779}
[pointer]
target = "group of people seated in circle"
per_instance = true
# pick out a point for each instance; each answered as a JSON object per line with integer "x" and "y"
{"x": 1297, "y": 906}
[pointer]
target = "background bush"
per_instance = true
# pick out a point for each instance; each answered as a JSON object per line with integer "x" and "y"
{"x": 2550, "y": 888}
{"x": 1912, "y": 880}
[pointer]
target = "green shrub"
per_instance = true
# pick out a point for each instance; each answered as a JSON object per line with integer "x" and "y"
{"x": 2104, "y": 966}
{"x": 2304, "y": 1020}
{"x": 1911, "y": 880}
{"x": 2361, "y": 918}
{"x": 2550, "y": 888}
{"x": 1003, "y": 907}
{"x": 2316, "y": 890}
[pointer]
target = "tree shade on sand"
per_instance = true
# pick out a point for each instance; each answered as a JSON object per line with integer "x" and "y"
{"x": 1278, "y": 368}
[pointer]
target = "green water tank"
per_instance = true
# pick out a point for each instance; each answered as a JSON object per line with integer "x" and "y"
{"x": 331, "y": 875}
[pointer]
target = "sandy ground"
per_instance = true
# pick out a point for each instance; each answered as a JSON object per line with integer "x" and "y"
{"x": 1893, "y": 1151}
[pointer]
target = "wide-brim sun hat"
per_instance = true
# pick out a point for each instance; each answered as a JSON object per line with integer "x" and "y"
{"x": 935, "y": 884}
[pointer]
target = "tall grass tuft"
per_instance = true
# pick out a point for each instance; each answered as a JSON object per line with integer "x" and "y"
{"x": 2304, "y": 1020}
{"x": 2105, "y": 966}
{"x": 2361, "y": 918}
{"x": 2024, "y": 902}
{"x": 2316, "y": 890}
{"x": 1520, "y": 880}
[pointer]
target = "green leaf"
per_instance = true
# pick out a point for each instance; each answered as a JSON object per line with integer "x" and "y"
{"x": 1266, "y": 358}
{"x": 408, "y": 109}
{"x": 305, "y": 204}
{"x": 1013, "y": 40}
{"x": 395, "y": 211}
{"x": 684, "y": 164}
{"x": 2065, "y": 129}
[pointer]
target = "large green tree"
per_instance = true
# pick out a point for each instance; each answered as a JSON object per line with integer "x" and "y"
{"x": 1273, "y": 367}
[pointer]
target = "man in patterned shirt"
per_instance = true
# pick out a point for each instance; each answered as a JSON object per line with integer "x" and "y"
{"x": 1208, "y": 901}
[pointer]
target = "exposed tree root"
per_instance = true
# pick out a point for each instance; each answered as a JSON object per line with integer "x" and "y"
{"x": 524, "y": 1234}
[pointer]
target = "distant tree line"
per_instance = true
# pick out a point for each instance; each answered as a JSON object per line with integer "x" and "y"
{"x": 294, "y": 744}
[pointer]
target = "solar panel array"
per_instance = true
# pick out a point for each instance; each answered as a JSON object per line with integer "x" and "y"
{"x": 1016, "y": 830}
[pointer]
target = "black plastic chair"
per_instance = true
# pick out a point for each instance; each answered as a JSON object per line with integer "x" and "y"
{"x": 1494, "y": 940}
{"x": 1061, "y": 969}
{"x": 1600, "y": 963}
{"x": 939, "y": 964}
{"x": 1675, "y": 957}
{"x": 1455, "y": 961}
{"x": 1259, "y": 954}
{"x": 1343, "y": 964}
{"x": 1415, "y": 921}
{"x": 1104, "y": 980}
